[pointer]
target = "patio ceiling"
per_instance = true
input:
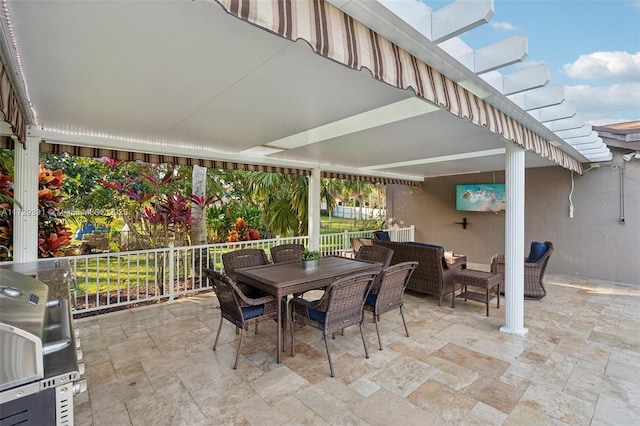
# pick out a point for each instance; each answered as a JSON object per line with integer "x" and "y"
{"x": 185, "y": 78}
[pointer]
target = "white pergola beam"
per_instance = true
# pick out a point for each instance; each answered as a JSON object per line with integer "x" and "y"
{"x": 501, "y": 54}
{"x": 526, "y": 79}
{"x": 459, "y": 17}
{"x": 554, "y": 112}
{"x": 575, "y": 133}
{"x": 580, "y": 140}
{"x": 538, "y": 98}
{"x": 574, "y": 122}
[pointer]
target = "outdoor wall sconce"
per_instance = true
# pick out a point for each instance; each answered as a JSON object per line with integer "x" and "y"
{"x": 464, "y": 223}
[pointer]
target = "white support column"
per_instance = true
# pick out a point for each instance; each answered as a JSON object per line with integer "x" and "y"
{"x": 25, "y": 216}
{"x": 314, "y": 209}
{"x": 514, "y": 241}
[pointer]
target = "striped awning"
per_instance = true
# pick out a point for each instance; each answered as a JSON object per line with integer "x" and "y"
{"x": 335, "y": 35}
{"x": 83, "y": 151}
{"x": 10, "y": 106}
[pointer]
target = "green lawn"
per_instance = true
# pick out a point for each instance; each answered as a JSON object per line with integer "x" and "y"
{"x": 337, "y": 224}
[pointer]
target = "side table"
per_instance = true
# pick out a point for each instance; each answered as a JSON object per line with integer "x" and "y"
{"x": 486, "y": 280}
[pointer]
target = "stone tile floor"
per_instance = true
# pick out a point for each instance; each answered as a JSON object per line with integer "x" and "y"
{"x": 579, "y": 364}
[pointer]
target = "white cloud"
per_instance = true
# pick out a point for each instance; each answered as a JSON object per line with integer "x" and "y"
{"x": 603, "y": 102}
{"x": 504, "y": 26}
{"x": 602, "y": 66}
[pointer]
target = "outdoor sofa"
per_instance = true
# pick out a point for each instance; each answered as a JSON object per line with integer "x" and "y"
{"x": 434, "y": 273}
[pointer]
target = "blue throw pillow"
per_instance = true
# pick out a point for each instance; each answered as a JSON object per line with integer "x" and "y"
{"x": 382, "y": 235}
{"x": 538, "y": 250}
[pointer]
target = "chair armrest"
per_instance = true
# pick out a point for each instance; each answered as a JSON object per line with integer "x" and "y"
{"x": 249, "y": 301}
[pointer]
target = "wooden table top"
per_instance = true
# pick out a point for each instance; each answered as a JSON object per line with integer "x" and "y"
{"x": 281, "y": 279}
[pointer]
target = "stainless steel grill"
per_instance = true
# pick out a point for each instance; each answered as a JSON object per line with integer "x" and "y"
{"x": 39, "y": 363}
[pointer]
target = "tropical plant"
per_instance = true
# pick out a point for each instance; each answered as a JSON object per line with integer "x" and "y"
{"x": 53, "y": 236}
{"x": 242, "y": 232}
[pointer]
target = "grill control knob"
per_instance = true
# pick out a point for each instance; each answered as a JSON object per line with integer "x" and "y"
{"x": 81, "y": 368}
{"x": 80, "y": 386}
{"x": 79, "y": 354}
{"x": 78, "y": 344}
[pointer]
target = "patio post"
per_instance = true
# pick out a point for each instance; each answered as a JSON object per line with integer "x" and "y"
{"x": 514, "y": 241}
{"x": 25, "y": 218}
{"x": 314, "y": 209}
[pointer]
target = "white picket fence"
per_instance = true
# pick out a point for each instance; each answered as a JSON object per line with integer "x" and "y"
{"x": 113, "y": 280}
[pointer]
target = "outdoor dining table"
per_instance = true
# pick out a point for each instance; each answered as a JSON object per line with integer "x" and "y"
{"x": 284, "y": 279}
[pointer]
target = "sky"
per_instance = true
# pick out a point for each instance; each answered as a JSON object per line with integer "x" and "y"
{"x": 592, "y": 48}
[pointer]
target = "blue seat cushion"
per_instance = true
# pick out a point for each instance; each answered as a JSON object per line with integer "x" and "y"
{"x": 382, "y": 235}
{"x": 538, "y": 250}
{"x": 371, "y": 299}
{"x": 317, "y": 315}
{"x": 252, "y": 311}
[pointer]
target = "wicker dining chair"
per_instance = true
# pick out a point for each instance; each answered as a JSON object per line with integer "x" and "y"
{"x": 239, "y": 309}
{"x": 343, "y": 306}
{"x": 386, "y": 294}
{"x": 287, "y": 252}
{"x": 375, "y": 254}
{"x": 243, "y": 258}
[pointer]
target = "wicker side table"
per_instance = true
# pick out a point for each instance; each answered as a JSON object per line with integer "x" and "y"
{"x": 486, "y": 280}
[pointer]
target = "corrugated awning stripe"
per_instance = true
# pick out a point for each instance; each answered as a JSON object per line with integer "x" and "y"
{"x": 10, "y": 106}
{"x": 335, "y": 35}
{"x": 83, "y": 151}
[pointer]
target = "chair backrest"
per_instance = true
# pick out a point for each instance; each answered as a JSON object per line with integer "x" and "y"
{"x": 243, "y": 258}
{"x": 391, "y": 285}
{"x": 226, "y": 292}
{"x": 375, "y": 254}
{"x": 345, "y": 301}
{"x": 287, "y": 252}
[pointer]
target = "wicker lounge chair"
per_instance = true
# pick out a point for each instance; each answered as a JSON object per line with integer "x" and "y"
{"x": 533, "y": 273}
{"x": 386, "y": 293}
{"x": 239, "y": 309}
{"x": 375, "y": 254}
{"x": 286, "y": 252}
{"x": 344, "y": 300}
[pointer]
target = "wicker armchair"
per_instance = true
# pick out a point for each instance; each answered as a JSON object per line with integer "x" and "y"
{"x": 386, "y": 294}
{"x": 533, "y": 273}
{"x": 239, "y": 309}
{"x": 375, "y": 254}
{"x": 286, "y": 252}
{"x": 344, "y": 300}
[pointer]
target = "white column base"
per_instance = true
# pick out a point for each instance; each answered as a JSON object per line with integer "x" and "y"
{"x": 516, "y": 332}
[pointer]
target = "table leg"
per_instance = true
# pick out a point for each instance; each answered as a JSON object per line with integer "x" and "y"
{"x": 498, "y": 294}
{"x": 279, "y": 332}
{"x": 488, "y": 288}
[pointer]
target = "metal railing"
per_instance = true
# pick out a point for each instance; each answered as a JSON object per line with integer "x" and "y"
{"x": 108, "y": 281}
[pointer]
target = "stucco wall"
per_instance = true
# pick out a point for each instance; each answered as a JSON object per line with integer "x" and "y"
{"x": 592, "y": 244}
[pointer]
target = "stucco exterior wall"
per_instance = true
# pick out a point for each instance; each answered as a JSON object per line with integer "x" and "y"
{"x": 593, "y": 244}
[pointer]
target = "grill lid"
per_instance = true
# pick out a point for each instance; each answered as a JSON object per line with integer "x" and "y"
{"x": 23, "y": 301}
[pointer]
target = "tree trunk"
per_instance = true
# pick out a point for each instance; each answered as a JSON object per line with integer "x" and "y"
{"x": 198, "y": 232}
